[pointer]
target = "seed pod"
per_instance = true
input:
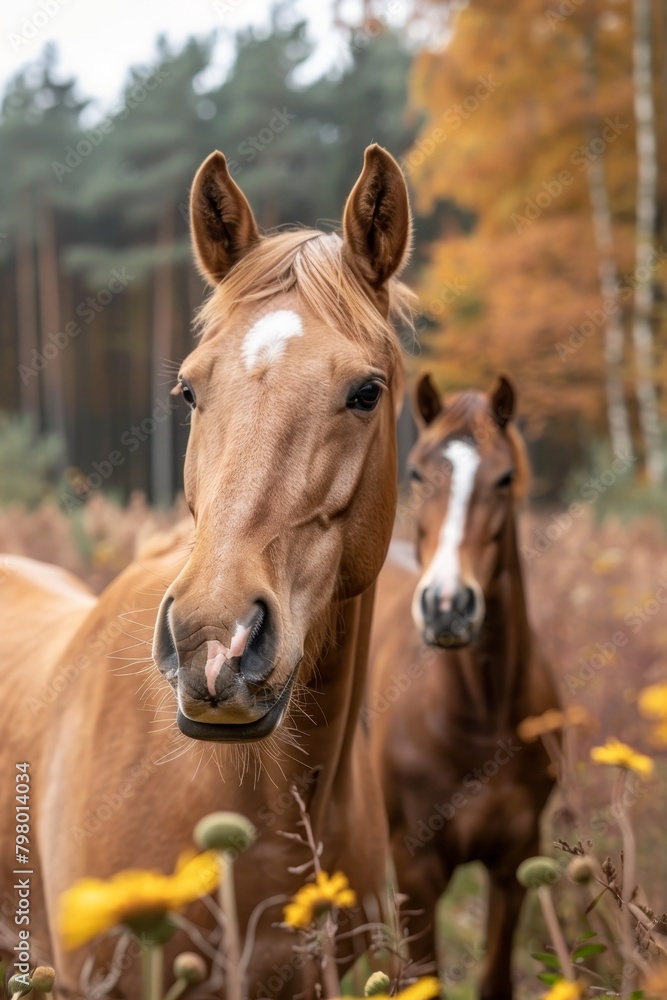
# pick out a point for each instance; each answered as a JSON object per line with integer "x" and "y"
{"x": 225, "y": 831}
{"x": 377, "y": 985}
{"x": 18, "y": 984}
{"x": 43, "y": 978}
{"x": 536, "y": 872}
{"x": 190, "y": 967}
{"x": 581, "y": 870}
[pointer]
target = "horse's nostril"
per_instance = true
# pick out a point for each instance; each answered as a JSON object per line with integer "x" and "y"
{"x": 258, "y": 656}
{"x": 429, "y": 601}
{"x": 464, "y": 602}
{"x": 165, "y": 653}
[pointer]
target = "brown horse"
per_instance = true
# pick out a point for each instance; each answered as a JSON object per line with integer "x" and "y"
{"x": 261, "y": 637}
{"x": 447, "y": 695}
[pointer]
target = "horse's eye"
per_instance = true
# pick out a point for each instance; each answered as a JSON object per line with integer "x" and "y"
{"x": 505, "y": 481}
{"x": 365, "y": 398}
{"x": 415, "y": 475}
{"x": 188, "y": 394}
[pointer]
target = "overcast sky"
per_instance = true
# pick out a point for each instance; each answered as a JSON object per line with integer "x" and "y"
{"x": 99, "y": 39}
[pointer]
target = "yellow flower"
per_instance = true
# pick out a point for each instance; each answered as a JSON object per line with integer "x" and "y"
{"x": 652, "y": 701}
{"x": 317, "y": 897}
{"x": 538, "y": 725}
{"x": 427, "y": 988}
{"x": 577, "y": 715}
{"x": 93, "y": 905}
{"x": 565, "y": 990}
{"x": 607, "y": 561}
{"x": 620, "y": 754}
{"x": 534, "y": 726}
{"x": 424, "y": 989}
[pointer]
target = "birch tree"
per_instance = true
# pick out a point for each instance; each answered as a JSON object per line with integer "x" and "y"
{"x": 647, "y": 174}
{"x": 614, "y": 333}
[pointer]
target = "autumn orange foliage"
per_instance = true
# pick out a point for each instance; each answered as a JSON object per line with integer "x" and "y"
{"x": 513, "y": 118}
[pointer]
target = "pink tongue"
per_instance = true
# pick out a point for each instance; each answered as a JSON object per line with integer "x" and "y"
{"x": 217, "y": 655}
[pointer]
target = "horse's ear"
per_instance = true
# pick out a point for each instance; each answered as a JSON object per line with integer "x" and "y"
{"x": 428, "y": 401}
{"x": 221, "y": 221}
{"x": 376, "y": 223}
{"x": 502, "y": 401}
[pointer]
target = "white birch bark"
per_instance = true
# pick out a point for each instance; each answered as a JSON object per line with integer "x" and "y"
{"x": 614, "y": 334}
{"x": 647, "y": 176}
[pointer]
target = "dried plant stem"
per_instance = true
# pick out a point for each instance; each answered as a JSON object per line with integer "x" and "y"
{"x": 629, "y": 882}
{"x": 555, "y": 932}
{"x": 310, "y": 836}
{"x": 330, "y": 978}
{"x": 232, "y": 937}
{"x": 648, "y": 925}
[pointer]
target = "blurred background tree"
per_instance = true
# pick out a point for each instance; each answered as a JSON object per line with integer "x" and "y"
{"x": 541, "y": 214}
{"x": 531, "y": 126}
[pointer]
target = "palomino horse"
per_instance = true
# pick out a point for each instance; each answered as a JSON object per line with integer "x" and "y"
{"x": 263, "y": 628}
{"x": 451, "y": 635}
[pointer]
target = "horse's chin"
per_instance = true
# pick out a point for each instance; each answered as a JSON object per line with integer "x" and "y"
{"x": 239, "y": 732}
{"x": 450, "y": 640}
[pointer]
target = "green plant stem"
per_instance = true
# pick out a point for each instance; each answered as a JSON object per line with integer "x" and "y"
{"x": 152, "y": 972}
{"x": 555, "y": 932}
{"x": 180, "y": 986}
{"x": 232, "y": 943}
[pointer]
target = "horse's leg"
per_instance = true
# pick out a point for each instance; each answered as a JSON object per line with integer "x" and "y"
{"x": 505, "y": 899}
{"x": 421, "y": 877}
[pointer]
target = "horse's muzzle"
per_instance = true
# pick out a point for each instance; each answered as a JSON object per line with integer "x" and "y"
{"x": 239, "y": 732}
{"x": 226, "y": 691}
{"x": 451, "y": 624}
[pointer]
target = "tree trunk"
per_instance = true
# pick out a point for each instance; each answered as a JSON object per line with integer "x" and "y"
{"x": 614, "y": 334}
{"x": 51, "y": 347}
{"x": 161, "y": 449}
{"x": 647, "y": 176}
{"x": 27, "y": 314}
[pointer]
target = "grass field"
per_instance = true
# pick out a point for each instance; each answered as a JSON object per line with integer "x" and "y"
{"x": 598, "y": 602}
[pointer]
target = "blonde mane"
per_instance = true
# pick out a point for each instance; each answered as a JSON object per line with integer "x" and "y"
{"x": 312, "y": 264}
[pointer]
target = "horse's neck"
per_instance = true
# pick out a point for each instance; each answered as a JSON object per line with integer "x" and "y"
{"x": 490, "y": 676}
{"x": 329, "y": 724}
{"x": 338, "y": 686}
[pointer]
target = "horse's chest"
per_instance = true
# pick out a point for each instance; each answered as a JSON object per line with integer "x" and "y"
{"x": 475, "y": 803}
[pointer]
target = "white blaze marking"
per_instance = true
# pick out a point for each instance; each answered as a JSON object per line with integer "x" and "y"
{"x": 265, "y": 341}
{"x": 444, "y": 568}
{"x": 217, "y": 654}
